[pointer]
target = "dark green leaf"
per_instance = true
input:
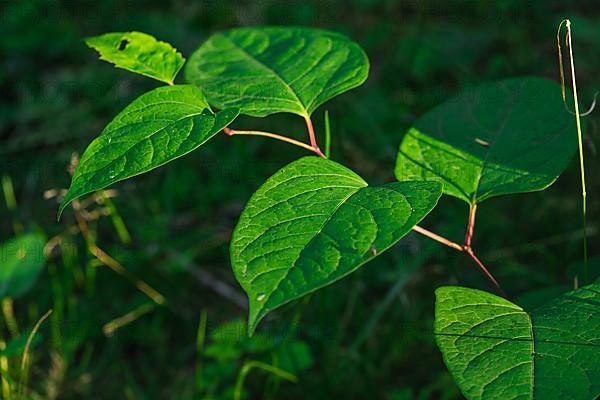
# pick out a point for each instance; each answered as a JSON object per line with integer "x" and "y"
{"x": 159, "y": 126}
{"x": 314, "y": 222}
{"x": 506, "y": 137}
{"x": 269, "y": 70}
{"x": 496, "y": 350}
{"x": 21, "y": 260}
{"x": 140, "y": 53}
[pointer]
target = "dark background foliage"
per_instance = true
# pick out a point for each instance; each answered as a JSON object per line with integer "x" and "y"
{"x": 368, "y": 336}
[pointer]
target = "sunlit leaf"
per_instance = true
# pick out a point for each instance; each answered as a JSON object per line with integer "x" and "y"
{"x": 314, "y": 222}
{"x": 140, "y": 53}
{"x": 496, "y": 350}
{"x": 274, "y": 69}
{"x": 159, "y": 126}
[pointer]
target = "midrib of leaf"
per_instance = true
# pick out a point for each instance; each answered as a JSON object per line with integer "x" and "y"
{"x": 427, "y": 167}
{"x": 150, "y": 71}
{"x": 532, "y": 355}
{"x": 487, "y": 154}
{"x": 150, "y": 135}
{"x": 145, "y": 106}
{"x": 326, "y": 85}
{"x": 269, "y": 69}
{"x": 344, "y": 200}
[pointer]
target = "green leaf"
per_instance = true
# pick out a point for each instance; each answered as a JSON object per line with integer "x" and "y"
{"x": 510, "y": 136}
{"x": 159, "y": 126}
{"x": 269, "y": 70}
{"x": 140, "y": 53}
{"x": 314, "y": 222}
{"x": 21, "y": 260}
{"x": 495, "y": 350}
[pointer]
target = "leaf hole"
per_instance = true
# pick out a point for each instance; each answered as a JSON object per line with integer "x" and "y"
{"x": 123, "y": 44}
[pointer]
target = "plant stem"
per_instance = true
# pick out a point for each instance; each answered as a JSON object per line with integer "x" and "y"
{"x": 569, "y": 43}
{"x": 470, "y": 224}
{"x": 485, "y": 271}
{"x": 5, "y": 383}
{"x": 200, "y": 339}
{"x": 9, "y": 316}
{"x": 249, "y": 365}
{"x": 438, "y": 238}
{"x": 327, "y": 135}
{"x": 112, "y": 326}
{"x": 311, "y": 136}
{"x": 25, "y": 358}
{"x": 465, "y": 248}
{"x": 469, "y": 250}
{"x": 231, "y": 132}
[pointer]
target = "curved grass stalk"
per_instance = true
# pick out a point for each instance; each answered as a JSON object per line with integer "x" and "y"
{"x": 25, "y": 357}
{"x": 248, "y": 366}
{"x": 569, "y": 44}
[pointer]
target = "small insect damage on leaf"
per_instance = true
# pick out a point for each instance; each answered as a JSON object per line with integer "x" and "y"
{"x": 123, "y": 44}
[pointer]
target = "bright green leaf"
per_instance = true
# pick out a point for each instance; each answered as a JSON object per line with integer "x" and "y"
{"x": 140, "y": 53}
{"x": 159, "y": 126}
{"x": 505, "y": 137}
{"x": 270, "y": 70}
{"x": 21, "y": 260}
{"x": 495, "y": 350}
{"x": 314, "y": 222}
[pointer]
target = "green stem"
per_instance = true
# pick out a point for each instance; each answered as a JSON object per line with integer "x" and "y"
{"x": 239, "y": 385}
{"x": 116, "y": 218}
{"x": 569, "y": 44}
{"x": 11, "y": 203}
{"x": 25, "y": 357}
{"x": 4, "y": 377}
{"x": 9, "y": 315}
{"x": 327, "y": 135}
{"x": 200, "y": 339}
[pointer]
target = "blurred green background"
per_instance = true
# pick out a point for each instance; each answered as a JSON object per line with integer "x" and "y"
{"x": 158, "y": 315}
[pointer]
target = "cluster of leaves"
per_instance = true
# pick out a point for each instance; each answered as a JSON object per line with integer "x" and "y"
{"x": 229, "y": 343}
{"x": 315, "y": 221}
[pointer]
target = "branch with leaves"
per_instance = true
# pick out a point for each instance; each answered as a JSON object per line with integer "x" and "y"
{"x": 315, "y": 221}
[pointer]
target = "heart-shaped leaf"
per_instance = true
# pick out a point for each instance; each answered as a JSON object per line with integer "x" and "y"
{"x": 506, "y": 137}
{"x": 157, "y": 127}
{"x": 140, "y": 53}
{"x": 21, "y": 260}
{"x": 314, "y": 222}
{"x": 496, "y": 350}
{"x": 269, "y": 70}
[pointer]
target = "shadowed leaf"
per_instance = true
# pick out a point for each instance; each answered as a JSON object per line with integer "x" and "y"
{"x": 21, "y": 260}
{"x": 505, "y": 137}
